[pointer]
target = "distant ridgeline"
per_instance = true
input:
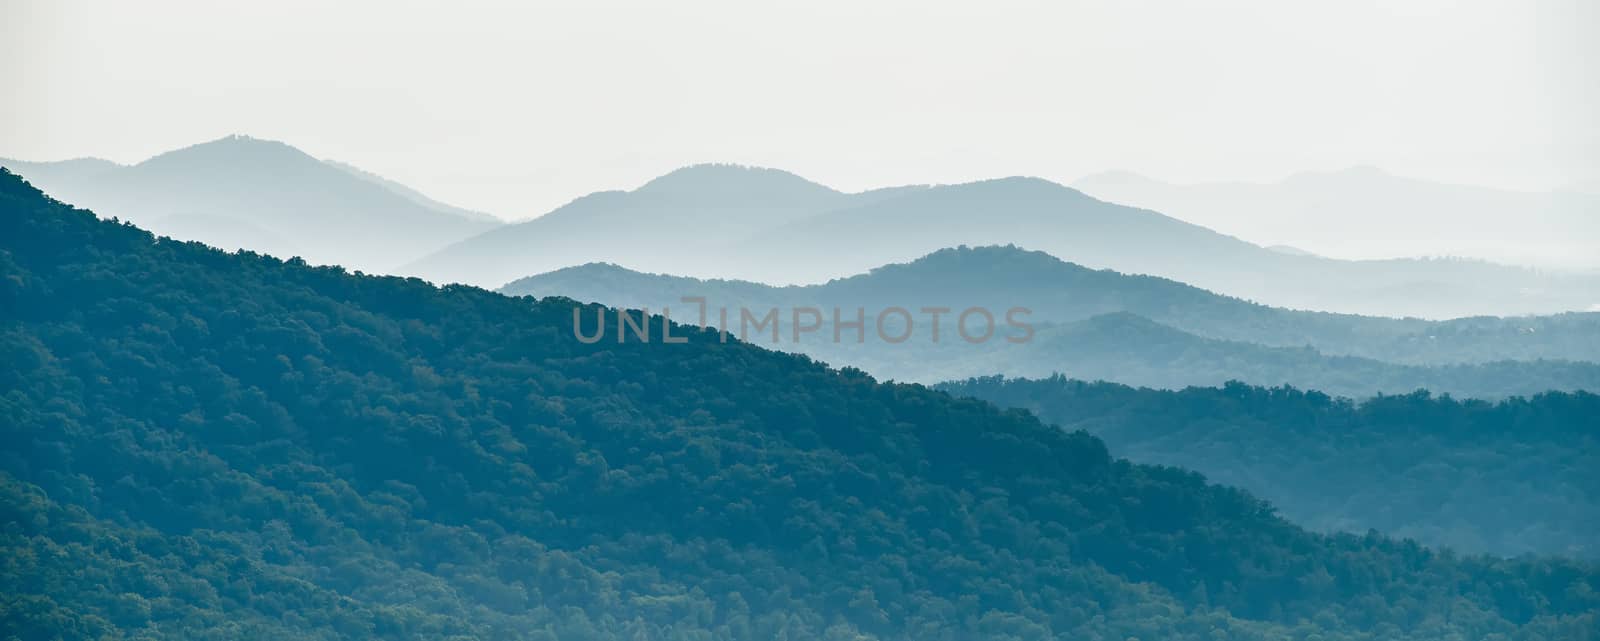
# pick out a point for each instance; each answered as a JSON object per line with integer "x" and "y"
{"x": 265, "y": 196}
{"x": 206, "y": 445}
{"x": 1513, "y": 477}
{"x": 768, "y": 225}
{"x": 1099, "y": 324}
{"x": 765, "y": 225}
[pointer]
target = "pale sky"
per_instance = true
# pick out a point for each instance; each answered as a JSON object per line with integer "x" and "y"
{"x": 514, "y": 108}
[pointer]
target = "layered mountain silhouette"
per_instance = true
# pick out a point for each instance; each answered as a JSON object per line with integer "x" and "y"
{"x": 769, "y": 226}
{"x": 687, "y": 219}
{"x": 1000, "y": 277}
{"x": 266, "y": 196}
{"x": 1364, "y": 212}
{"x": 1140, "y": 330}
{"x": 214, "y": 445}
{"x": 1130, "y": 349}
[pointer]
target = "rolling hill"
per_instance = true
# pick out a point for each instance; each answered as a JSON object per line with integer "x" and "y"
{"x": 1130, "y": 349}
{"x": 266, "y": 196}
{"x": 1057, "y": 291}
{"x": 769, "y": 226}
{"x": 1512, "y": 477}
{"x": 1140, "y": 330}
{"x": 1069, "y": 224}
{"x": 685, "y": 218}
{"x": 213, "y": 445}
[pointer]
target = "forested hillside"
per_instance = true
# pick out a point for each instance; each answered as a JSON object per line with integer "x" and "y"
{"x": 1511, "y": 477}
{"x": 205, "y": 445}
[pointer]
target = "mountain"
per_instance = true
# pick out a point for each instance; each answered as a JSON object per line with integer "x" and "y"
{"x": 70, "y": 175}
{"x": 1041, "y": 215}
{"x": 240, "y": 192}
{"x": 1139, "y": 330}
{"x": 1290, "y": 250}
{"x": 685, "y": 219}
{"x": 411, "y": 194}
{"x": 1512, "y": 477}
{"x": 212, "y": 445}
{"x": 771, "y": 226}
{"x": 1364, "y": 212}
{"x": 1130, "y": 349}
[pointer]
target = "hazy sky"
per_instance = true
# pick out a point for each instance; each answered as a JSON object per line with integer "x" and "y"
{"x": 515, "y": 109}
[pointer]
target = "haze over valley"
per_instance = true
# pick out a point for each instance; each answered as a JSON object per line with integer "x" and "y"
{"x": 827, "y": 321}
{"x": 767, "y": 225}
{"x": 1339, "y": 213}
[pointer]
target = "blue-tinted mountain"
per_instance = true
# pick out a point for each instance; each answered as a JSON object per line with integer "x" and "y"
{"x": 1064, "y": 222}
{"x": 1140, "y": 330}
{"x": 213, "y": 445}
{"x": 773, "y": 227}
{"x": 1131, "y": 349}
{"x": 266, "y": 196}
{"x": 686, "y": 219}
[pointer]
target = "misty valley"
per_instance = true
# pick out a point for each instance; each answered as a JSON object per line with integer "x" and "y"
{"x": 710, "y": 320}
{"x": 210, "y": 441}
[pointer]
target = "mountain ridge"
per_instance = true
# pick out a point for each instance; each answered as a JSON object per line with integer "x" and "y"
{"x": 324, "y": 211}
{"x": 830, "y": 235}
{"x": 1055, "y": 290}
{"x": 212, "y": 440}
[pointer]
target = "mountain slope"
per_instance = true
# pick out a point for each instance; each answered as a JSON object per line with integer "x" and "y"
{"x": 1058, "y": 291}
{"x": 991, "y": 212}
{"x": 774, "y": 227}
{"x": 1130, "y": 349}
{"x": 1514, "y": 477}
{"x": 218, "y": 192}
{"x": 684, "y": 218}
{"x": 1067, "y": 223}
{"x": 1339, "y": 213}
{"x": 412, "y": 194}
{"x": 213, "y": 445}
{"x": 1097, "y": 324}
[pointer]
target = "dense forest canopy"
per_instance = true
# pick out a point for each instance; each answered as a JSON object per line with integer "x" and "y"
{"x": 224, "y": 446}
{"x": 1511, "y": 477}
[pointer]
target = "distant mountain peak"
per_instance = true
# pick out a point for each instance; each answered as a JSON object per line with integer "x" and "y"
{"x": 1016, "y": 187}
{"x": 1028, "y": 181}
{"x": 990, "y": 253}
{"x": 84, "y": 162}
{"x": 732, "y": 179}
{"x": 241, "y": 141}
{"x": 232, "y": 149}
{"x": 978, "y": 263}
